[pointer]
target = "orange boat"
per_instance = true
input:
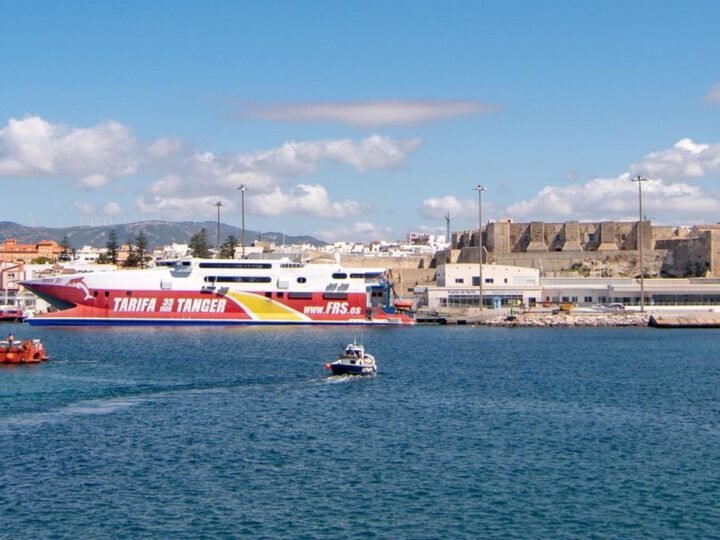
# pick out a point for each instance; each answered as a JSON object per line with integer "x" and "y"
{"x": 26, "y": 351}
{"x": 403, "y": 305}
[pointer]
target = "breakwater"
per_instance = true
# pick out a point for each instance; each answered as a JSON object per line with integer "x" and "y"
{"x": 537, "y": 319}
{"x": 570, "y": 320}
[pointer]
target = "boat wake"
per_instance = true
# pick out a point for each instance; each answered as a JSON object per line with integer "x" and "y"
{"x": 92, "y": 407}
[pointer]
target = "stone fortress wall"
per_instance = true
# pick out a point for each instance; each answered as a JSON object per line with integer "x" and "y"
{"x": 604, "y": 249}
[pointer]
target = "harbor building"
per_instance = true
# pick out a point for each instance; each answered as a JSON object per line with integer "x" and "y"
{"x": 507, "y": 286}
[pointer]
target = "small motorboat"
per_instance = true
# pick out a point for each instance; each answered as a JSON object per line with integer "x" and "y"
{"x": 26, "y": 351}
{"x": 353, "y": 361}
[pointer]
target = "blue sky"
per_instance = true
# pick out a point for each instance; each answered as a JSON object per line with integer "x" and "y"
{"x": 358, "y": 120}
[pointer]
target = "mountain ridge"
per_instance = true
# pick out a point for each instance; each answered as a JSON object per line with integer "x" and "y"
{"x": 158, "y": 233}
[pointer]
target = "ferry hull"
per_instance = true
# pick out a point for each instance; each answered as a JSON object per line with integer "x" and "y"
{"x": 85, "y": 307}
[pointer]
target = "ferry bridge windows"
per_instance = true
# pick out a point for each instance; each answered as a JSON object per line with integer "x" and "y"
{"x": 237, "y": 279}
{"x": 236, "y": 265}
{"x": 302, "y": 280}
{"x": 366, "y": 275}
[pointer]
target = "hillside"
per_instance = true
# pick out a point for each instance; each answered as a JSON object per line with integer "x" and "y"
{"x": 158, "y": 233}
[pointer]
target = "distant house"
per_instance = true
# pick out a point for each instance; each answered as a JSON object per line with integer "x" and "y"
{"x": 11, "y": 251}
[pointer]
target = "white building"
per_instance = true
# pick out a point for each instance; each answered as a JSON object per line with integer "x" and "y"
{"x": 458, "y": 285}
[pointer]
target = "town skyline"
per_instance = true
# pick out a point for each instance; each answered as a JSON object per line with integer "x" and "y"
{"x": 358, "y": 122}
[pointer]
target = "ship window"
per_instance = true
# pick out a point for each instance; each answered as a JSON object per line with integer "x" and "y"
{"x": 95, "y": 293}
{"x": 129, "y": 293}
{"x": 302, "y": 280}
{"x": 299, "y": 295}
{"x": 366, "y": 275}
{"x": 339, "y": 275}
{"x": 242, "y": 265}
{"x": 268, "y": 294}
{"x": 107, "y": 294}
{"x": 238, "y": 279}
{"x": 335, "y": 295}
{"x": 280, "y": 294}
{"x": 291, "y": 265}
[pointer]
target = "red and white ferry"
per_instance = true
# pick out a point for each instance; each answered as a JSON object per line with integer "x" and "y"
{"x": 216, "y": 291}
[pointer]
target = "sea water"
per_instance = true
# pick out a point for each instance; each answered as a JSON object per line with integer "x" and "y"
{"x": 466, "y": 432}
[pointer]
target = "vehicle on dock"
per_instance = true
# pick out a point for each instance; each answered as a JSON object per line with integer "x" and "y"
{"x": 353, "y": 361}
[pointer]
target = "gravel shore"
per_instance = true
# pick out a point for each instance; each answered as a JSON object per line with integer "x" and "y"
{"x": 569, "y": 320}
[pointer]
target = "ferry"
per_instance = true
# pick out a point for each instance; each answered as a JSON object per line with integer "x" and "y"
{"x": 217, "y": 291}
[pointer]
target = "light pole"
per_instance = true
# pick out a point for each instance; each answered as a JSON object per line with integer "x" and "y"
{"x": 639, "y": 179}
{"x": 218, "y": 204}
{"x": 242, "y": 189}
{"x": 480, "y": 189}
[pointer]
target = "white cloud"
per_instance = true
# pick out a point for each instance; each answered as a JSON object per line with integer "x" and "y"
{"x": 34, "y": 147}
{"x": 713, "y": 95}
{"x": 112, "y": 209}
{"x": 371, "y": 113}
{"x": 164, "y": 147}
{"x": 180, "y": 207}
{"x": 265, "y": 173}
{"x": 85, "y": 208}
{"x": 94, "y": 156}
{"x": 439, "y": 207}
{"x": 305, "y": 199}
{"x": 361, "y": 231}
{"x": 617, "y": 198}
{"x": 94, "y": 181}
{"x": 301, "y": 158}
{"x": 686, "y": 159}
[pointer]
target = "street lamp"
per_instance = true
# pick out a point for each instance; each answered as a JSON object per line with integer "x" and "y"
{"x": 639, "y": 179}
{"x": 242, "y": 189}
{"x": 480, "y": 189}
{"x": 218, "y": 204}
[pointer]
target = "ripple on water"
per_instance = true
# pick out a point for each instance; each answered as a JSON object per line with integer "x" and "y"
{"x": 478, "y": 433}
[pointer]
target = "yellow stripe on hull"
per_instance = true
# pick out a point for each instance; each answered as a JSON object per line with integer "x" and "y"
{"x": 266, "y": 309}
